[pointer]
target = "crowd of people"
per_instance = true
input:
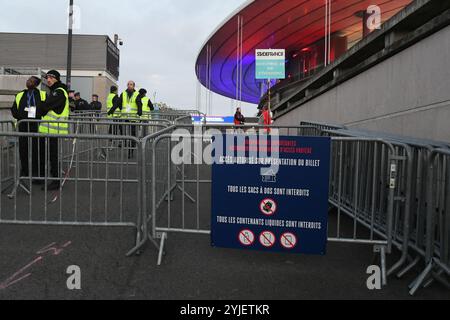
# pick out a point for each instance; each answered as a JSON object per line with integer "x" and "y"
{"x": 76, "y": 103}
{"x": 53, "y": 109}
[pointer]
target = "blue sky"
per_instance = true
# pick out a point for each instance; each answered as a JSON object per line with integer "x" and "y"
{"x": 161, "y": 38}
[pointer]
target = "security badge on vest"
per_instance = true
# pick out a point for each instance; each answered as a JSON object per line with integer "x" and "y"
{"x": 31, "y": 106}
{"x": 31, "y": 102}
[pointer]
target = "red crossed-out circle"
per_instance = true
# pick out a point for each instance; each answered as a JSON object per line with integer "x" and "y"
{"x": 246, "y": 237}
{"x": 288, "y": 240}
{"x": 265, "y": 203}
{"x": 267, "y": 239}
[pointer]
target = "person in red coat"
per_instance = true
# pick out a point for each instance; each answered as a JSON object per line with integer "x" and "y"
{"x": 239, "y": 119}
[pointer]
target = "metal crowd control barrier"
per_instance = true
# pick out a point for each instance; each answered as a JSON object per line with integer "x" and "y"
{"x": 104, "y": 127}
{"x": 321, "y": 126}
{"x": 7, "y": 126}
{"x": 437, "y": 246}
{"x": 180, "y": 192}
{"x": 99, "y": 178}
{"x": 412, "y": 227}
{"x": 150, "y": 118}
{"x": 7, "y": 156}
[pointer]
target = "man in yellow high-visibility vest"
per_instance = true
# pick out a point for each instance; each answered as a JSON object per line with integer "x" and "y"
{"x": 131, "y": 102}
{"x": 131, "y": 109}
{"x": 25, "y": 108}
{"x": 55, "y": 112}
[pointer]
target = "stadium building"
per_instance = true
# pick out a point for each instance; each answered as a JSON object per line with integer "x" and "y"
{"x": 373, "y": 65}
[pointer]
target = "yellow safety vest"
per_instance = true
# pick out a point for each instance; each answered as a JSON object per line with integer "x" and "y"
{"x": 146, "y": 111}
{"x": 129, "y": 106}
{"x": 50, "y": 124}
{"x": 20, "y": 95}
{"x": 110, "y": 104}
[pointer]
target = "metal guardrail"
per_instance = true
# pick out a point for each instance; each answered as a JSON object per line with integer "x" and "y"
{"x": 418, "y": 182}
{"x": 174, "y": 190}
{"x": 437, "y": 242}
{"x": 389, "y": 194}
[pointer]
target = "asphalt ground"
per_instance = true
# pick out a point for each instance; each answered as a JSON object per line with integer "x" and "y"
{"x": 191, "y": 268}
{"x": 34, "y": 258}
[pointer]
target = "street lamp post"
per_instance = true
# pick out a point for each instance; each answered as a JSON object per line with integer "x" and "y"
{"x": 69, "y": 47}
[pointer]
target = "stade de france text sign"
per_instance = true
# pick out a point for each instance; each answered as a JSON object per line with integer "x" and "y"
{"x": 270, "y": 64}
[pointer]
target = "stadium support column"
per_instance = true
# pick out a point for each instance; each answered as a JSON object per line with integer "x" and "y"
{"x": 69, "y": 46}
{"x": 239, "y": 56}
{"x": 327, "y": 53}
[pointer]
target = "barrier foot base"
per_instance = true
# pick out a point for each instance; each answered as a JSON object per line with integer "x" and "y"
{"x": 18, "y": 186}
{"x": 420, "y": 280}
{"x": 156, "y": 244}
{"x": 139, "y": 245}
{"x": 136, "y": 251}
{"x": 161, "y": 248}
{"x": 408, "y": 268}
{"x": 382, "y": 251}
{"x": 186, "y": 194}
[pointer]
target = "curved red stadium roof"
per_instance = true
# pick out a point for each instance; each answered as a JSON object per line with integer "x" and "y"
{"x": 278, "y": 24}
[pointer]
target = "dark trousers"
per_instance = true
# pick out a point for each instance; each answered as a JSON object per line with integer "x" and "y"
{"x": 115, "y": 129}
{"x": 25, "y": 148}
{"x": 51, "y": 147}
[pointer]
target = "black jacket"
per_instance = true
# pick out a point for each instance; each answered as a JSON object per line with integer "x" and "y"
{"x": 19, "y": 113}
{"x": 239, "y": 118}
{"x": 96, "y": 106}
{"x": 150, "y": 104}
{"x": 82, "y": 105}
{"x": 56, "y": 100}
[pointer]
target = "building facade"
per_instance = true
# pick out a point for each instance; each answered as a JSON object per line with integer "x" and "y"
{"x": 95, "y": 62}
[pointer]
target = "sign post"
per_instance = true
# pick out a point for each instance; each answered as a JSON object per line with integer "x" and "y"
{"x": 284, "y": 210}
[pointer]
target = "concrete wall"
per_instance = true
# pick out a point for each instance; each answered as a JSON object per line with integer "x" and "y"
{"x": 13, "y": 83}
{"x": 102, "y": 86}
{"x": 408, "y": 94}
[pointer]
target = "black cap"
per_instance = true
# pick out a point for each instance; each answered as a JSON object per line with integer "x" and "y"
{"x": 77, "y": 94}
{"x": 143, "y": 91}
{"x": 55, "y": 74}
{"x": 37, "y": 80}
{"x": 113, "y": 89}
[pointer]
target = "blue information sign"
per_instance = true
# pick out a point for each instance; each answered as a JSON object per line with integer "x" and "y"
{"x": 257, "y": 207}
{"x": 270, "y": 64}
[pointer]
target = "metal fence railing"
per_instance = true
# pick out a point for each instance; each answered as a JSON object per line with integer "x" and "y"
{"x": 176, "y": 193}
{"x": 420, "y": 229}
{"x": 387, "y": 192}
{"x": 437, "y": 241}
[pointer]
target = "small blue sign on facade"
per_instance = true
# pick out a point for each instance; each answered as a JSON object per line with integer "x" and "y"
{"x": 282, "y": 211}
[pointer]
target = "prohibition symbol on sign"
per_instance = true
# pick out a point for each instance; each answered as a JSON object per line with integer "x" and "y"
{"x": 288, "y": 240}
{"x": 267, "y": 239}
{"x": 268, "y": 207}
{"x": 246, "y": 238}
